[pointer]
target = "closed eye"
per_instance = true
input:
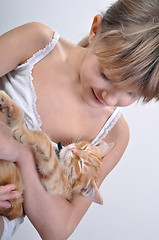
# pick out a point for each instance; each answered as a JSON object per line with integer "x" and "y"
{"x": 84, "y": 148}
{"x": 104, "y": 77}
{"x": 131, "y": 94}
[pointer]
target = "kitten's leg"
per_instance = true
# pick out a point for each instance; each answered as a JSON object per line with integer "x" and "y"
{"x": 15, "y": 119}
{"x": 41, "y": 144}
{"x": 46, "y": 160}
{"x": 13, "y": 113}
{"x": 50, "y": 171}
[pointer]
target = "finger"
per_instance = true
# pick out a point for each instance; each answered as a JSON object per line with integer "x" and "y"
{"x": 5, "y": 204}
{"x": 7, "y": 188}
{"x": 10, "y": 195}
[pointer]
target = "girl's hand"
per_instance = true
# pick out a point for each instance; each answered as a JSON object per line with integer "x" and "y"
{"x": 7, "y": 193}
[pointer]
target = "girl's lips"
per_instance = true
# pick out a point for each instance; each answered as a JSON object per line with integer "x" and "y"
{"x": 97, "y": 99}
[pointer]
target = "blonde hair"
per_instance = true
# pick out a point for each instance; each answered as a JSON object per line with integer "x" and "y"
{"x": 127, "y": 45}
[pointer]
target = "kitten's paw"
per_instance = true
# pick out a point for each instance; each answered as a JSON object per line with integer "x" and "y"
{"x": 20, "y": 134}
{"x": 5, "y": 106}
{"x": 24, "y": 135}
{"x": 13, "y": 114}
{"x": 35, "y": 139}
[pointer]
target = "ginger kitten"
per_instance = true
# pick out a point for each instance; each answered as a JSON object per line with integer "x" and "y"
{"x": 76, "y": 171}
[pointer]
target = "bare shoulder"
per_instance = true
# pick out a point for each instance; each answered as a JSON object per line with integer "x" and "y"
{"x": 21, "y": 43}
{"x": 119, "y": 135}
{"x": 36, "y": 34}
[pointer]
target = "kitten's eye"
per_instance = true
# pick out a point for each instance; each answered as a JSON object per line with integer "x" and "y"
{"x": 84, "y": 148}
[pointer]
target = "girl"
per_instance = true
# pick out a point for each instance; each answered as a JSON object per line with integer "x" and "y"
{"x": 58, "y": 84}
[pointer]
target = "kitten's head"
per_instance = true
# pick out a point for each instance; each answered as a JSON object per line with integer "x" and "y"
{"x": 82, "y": 164}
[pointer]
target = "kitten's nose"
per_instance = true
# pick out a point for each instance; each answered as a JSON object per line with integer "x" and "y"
{"x": 72, "y": 150}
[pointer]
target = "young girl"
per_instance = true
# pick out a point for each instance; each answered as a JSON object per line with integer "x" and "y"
{"x": 72, "y": 92}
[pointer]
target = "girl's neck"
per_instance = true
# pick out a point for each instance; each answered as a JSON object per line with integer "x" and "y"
{"x": 71, "y": 58}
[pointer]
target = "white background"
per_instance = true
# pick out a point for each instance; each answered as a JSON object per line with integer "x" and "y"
{"x": 130, "y": 192}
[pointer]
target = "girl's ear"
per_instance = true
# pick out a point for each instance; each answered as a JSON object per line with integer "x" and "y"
{"x": 95, "y": 26}
{"x": 92, "y": 193}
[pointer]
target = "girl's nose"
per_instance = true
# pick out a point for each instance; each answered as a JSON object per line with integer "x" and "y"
{"x": 111, "y": 98}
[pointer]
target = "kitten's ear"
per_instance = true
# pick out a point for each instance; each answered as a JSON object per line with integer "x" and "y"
{"x": 104, "y": 148}
{"x": 92, "y": 193}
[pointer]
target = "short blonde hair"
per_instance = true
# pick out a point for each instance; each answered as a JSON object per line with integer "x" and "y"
{"x": 127, "y": 45}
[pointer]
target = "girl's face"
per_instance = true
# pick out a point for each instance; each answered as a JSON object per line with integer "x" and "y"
{"x": 97, "y": 90}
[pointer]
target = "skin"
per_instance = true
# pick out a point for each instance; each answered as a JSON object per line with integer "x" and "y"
{"x": 66, "y": 80}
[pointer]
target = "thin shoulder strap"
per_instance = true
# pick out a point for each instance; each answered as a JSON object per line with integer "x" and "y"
{"x": 108, "y": 126}
{"x": 42, "y": 52}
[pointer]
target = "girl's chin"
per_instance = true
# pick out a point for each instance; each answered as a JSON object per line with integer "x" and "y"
{"x": 93, "y": 103}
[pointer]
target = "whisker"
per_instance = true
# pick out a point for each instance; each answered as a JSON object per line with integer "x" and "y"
{"x": 78, "y": 138}
{"x": 75, "y": 139}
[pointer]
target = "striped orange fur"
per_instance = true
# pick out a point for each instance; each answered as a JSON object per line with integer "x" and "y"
{"x": 76, "y": 170}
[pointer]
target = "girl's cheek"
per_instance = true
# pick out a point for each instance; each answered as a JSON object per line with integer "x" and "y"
{"x": 126, "y": 101}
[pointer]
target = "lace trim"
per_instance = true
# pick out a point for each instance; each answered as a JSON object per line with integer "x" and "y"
{"x": 36, "y": 114}
{"x": 32, "y": 61}
{"x": 108, "y": 126}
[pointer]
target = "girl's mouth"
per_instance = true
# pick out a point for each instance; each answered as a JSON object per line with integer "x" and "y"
{"x": 97, "y": 99}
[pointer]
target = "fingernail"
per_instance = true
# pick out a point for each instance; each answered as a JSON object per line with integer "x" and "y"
{"x": 13, "y": 187}
{"x": 8, "y": 206}
{"x": 17, "y": 196}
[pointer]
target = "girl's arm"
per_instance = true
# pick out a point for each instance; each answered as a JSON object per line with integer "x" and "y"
{"x": 19, "y": 44}
{"x": 53, "y": 216}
